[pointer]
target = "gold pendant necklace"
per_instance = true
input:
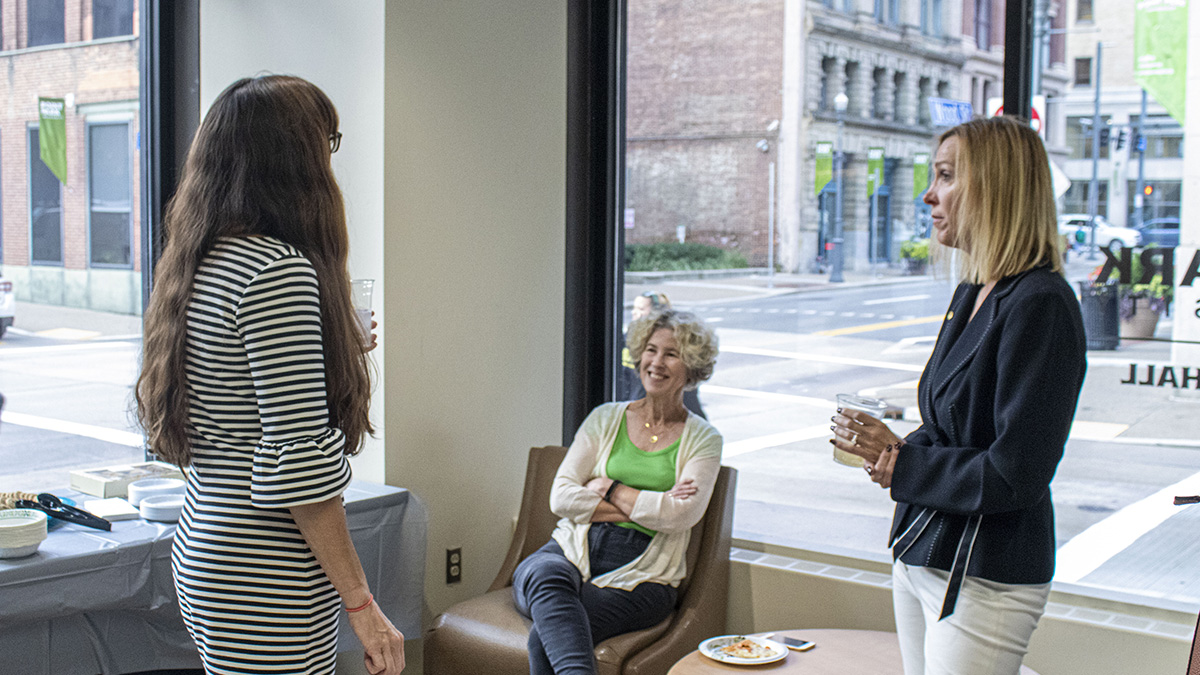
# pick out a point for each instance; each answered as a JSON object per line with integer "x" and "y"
{"x": 653, "y": 437}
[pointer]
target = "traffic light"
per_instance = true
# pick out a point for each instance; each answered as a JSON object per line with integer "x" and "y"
{"x": 1121, "y": 139}
{"x": 1104, "y": 136}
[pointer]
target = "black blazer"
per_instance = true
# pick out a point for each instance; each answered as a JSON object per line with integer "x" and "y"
{"x": 997, "y": 399}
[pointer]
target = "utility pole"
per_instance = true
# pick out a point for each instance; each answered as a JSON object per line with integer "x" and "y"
{"x": 1094, "y": 187}
{"x": 1139, "y": 198}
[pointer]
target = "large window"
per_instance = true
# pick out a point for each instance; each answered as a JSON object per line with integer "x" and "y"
{"x": 1079, "y": 138}
{"x": 1164, "y": 137}
{"x": 112, "y": 18}
{"x": 46, "y": 25}
{"x": 110, "y": 195}
{"x": 1076, "y": 198}
{"x": 708, "y": 154}
{"x": 983, "y": 24}
{"x": 1161, "y": 198}
{"x": 73, "y": 249}
{"x": 45, "y": 208}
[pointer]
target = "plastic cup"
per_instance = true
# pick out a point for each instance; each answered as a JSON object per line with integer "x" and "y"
{"x": 873, "y": 407}
{"x": 360, "y": 296}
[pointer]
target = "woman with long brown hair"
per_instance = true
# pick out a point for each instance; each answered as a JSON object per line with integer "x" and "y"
{"x": 254, "y": 378}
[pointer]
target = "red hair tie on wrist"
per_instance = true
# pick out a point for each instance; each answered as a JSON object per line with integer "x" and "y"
{"x": 370, "y": 599}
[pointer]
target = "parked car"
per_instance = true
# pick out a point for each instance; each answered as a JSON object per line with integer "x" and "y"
{"x": 1107, "y": 235}
{"x": 1160, "y": 232}
{"x": 8, "y": 305}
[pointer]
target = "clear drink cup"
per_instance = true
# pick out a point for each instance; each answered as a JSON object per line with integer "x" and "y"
{"x": 360, "y": 296}
{"x": 873, "y": 407}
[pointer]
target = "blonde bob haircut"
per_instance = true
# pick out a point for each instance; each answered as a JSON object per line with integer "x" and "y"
{"x": 1007, "y": 223}
{"x": 697, "y": 342}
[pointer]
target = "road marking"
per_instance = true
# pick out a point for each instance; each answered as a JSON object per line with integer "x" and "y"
{"x": 74, "y": 428}
{"x": 69, "y": 334}
{"x": 714, "y": 319}
{"x": 1096, "y": 545}
{"x": 769, "y": 396}
{"x": 773, "y": 440}
{"x": 822, "y": 358}
{"x": 94, "y": 345}
{"x": 884, "y": 301}
{"x": 1096, "y": 431}
{"x": 881, "y": 326}
{"x": 791, "y": 311}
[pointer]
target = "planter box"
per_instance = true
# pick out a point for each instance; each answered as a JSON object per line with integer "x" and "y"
{"x": 1142, "y": 323}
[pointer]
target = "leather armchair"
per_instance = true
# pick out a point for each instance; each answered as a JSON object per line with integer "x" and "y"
{"x": 486, "y": 634}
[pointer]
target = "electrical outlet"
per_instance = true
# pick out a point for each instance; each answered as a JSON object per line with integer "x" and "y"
{"x": 453, "y": 565}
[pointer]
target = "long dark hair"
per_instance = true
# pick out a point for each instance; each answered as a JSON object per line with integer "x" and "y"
{"x": 259, "y": 165}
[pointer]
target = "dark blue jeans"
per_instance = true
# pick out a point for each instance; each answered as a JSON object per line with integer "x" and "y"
{"x": 571, "y": 616}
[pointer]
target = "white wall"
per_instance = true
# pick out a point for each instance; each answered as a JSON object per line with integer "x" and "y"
{"x": 475, "y": 156}
{"x": 339, "y": 47}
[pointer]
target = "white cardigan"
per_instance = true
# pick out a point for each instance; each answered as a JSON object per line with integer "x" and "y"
{"x": 664, "y": 560}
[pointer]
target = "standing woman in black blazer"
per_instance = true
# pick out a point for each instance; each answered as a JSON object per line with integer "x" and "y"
{"x": 973, "y": 533}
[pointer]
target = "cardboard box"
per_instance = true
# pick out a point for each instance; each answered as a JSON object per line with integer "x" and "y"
{"x": 113, "y": 481}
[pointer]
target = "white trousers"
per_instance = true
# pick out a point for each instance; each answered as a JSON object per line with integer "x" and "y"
{"x": 988, "y": 633}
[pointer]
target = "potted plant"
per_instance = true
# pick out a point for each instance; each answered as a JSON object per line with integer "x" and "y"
{"x": 1140, "y": 305}
{"x": 914, "y": 254}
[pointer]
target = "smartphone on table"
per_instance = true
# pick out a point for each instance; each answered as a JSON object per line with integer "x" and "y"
{"x": 798, "y": 644}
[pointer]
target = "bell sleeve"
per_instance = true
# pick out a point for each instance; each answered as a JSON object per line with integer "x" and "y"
{"x": 299, "y": 459}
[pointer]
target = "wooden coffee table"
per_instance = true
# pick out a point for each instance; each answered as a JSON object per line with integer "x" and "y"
{"x": 838, "y": 652}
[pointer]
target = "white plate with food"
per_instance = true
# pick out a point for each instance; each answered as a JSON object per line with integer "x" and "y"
{"x": 743, "y": 650}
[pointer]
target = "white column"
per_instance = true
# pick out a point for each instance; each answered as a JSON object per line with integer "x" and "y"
{"x": 1187, "y": 324}
{"x": 791, "y": 138}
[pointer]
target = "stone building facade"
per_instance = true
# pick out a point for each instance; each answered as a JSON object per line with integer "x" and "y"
{"x": 889, "y": 58}
{"x": 74, "y": 244}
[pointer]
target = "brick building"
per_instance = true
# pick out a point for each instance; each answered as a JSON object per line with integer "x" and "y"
{"x": 703, "y": 88}
{"x": 74, "y": 244}
{"x": 709, "y": 81}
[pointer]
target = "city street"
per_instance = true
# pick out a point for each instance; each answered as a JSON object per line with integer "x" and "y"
{"x": 786, "y": 352}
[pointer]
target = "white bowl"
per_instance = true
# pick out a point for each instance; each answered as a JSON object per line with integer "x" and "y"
{"x": 19, "y": 551}
{"x": 147, "y": 487}
{"x": 20, "y": 529}
{"x": 163, "y": 508}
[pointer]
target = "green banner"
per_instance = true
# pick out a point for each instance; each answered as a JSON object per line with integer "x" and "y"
{"x": 52, "y": 135}
{"x": 1160, "y": 52}
{"x": 824, "y": 165}
{"x": 920, "y": 174}
{"x": 874, "y": 170}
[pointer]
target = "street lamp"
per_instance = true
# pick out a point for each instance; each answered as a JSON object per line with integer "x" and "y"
{"x": 840, "y": 102}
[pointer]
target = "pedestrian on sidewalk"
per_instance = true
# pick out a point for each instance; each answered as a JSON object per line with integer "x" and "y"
{"x": 973, "y": 533}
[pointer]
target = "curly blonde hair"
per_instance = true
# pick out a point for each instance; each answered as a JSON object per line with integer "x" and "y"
{"x": 697, "y": 341}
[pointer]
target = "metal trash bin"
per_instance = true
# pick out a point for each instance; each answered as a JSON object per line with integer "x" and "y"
{"x": 1101, "y": 322}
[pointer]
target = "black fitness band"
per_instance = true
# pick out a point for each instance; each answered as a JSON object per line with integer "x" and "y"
{"x": 611, "y": 488}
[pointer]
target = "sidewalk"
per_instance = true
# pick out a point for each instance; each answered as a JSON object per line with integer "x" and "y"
{"x": 701, "y": 287}
{"x": 54, "y": 321}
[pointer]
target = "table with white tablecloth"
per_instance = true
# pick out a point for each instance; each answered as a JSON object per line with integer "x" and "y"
{"x": 91, "y": 602}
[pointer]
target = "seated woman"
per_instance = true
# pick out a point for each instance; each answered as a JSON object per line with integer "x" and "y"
{"x": 636, "y": 479}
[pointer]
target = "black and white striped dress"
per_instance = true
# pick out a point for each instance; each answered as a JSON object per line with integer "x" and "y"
{"x": 251, "y": 593}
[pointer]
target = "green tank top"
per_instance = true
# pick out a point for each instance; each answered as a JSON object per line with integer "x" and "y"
{"x": 640, "y": 469}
